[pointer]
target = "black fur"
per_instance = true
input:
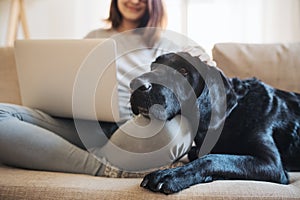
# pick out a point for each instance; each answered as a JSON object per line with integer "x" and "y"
{"x": 260, "y": 127}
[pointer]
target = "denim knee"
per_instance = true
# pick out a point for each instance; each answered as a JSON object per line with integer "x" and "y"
{"x": 7, "y": 111}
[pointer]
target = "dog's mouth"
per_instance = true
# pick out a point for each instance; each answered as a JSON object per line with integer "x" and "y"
{"x": 143, "y": 111}
{"x": 157, "y": 111}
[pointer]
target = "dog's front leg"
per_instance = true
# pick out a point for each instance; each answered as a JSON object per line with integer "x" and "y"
{"x": 213, "y": 167}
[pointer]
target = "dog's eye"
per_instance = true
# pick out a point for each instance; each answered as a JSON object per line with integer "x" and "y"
{"x": 183, "y": 71}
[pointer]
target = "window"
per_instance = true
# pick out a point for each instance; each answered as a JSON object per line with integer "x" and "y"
{"x": 256, "y": 21}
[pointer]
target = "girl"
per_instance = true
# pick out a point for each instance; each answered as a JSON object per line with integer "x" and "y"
{"x": 33, "y": 139}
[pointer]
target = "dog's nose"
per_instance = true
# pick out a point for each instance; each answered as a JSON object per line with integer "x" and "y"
{"x": 140, "y": 84}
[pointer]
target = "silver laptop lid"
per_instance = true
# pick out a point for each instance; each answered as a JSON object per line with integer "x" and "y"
{"x": 69, "y": 78}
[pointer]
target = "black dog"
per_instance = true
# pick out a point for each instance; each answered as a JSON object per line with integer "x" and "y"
{"x": 259, "y": 128}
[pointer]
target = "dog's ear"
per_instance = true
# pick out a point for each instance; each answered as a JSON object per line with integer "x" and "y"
{"x": 223, "y": 97}
{"x": 198, "y": 71}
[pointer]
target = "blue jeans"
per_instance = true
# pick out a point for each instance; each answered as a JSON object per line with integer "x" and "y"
{"x": 32, "y": 139}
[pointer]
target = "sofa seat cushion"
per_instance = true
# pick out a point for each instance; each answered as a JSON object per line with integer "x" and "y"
{"x": 28, "y": 184}
{"x": 275, "y": 64}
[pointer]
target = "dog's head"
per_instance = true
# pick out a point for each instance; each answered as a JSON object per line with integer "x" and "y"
{"x": 174, "y": 83}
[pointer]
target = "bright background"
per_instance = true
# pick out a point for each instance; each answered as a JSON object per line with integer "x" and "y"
{"x": 205, "y": 21}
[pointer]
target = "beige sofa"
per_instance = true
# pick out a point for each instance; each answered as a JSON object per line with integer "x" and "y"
{"x": 278, "y": 65}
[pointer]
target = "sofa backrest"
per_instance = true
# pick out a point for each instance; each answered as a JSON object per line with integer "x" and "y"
{"x": 275, "y": 64}
{"x": 9, "y": 85}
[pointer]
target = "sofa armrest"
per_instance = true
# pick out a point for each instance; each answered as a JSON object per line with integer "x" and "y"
{"x": 9, "y": 85}
{"x": 275, "y": 64}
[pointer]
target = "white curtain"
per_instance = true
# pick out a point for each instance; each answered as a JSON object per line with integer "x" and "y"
{"x": 252, "y": 21}
{"x": 281, "y": 20}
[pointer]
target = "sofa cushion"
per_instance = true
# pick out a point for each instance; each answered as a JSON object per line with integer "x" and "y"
{"x": 28, "y": 184}
{"x": 275, "y": 64}
{"x": 9, "y": 85}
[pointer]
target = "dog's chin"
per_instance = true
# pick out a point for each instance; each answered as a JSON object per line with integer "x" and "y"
{"x": 159, "y": 112}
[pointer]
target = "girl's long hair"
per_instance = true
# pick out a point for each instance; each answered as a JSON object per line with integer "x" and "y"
{"x": 154, "y": 17}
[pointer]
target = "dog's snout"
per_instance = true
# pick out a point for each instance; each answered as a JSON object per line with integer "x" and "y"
{"x": 140, "y": 84}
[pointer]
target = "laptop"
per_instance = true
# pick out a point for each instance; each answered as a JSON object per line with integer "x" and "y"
{"x": 69, "y": 78}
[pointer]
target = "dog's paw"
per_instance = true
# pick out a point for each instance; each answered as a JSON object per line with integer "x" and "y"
{"x": 165, "y": 181}
{"x": 173, "y": 180}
